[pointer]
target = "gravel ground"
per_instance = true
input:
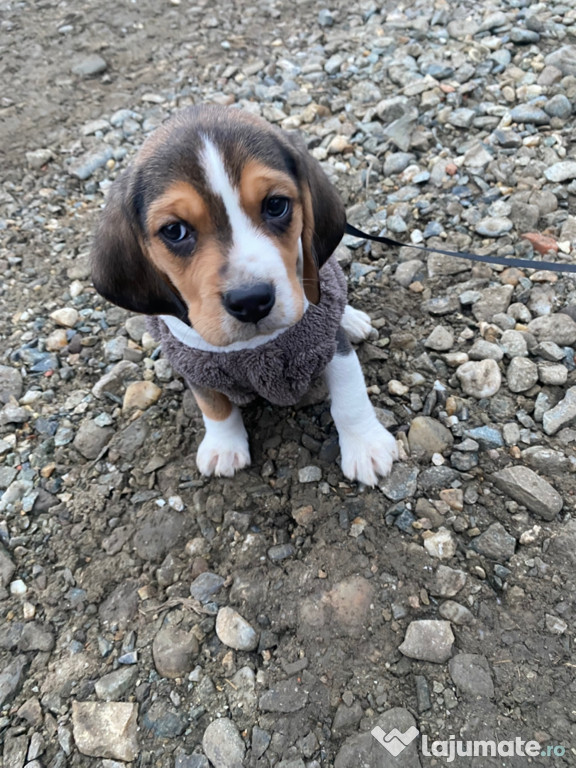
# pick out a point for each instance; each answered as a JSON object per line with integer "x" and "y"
{"x": 153, "y": 617}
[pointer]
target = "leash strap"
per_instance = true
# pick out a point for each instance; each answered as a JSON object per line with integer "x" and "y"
{"x": 521, "y": 263}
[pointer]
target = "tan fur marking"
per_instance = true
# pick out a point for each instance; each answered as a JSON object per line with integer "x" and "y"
{"x": 180, "y": 202}
{"x": 199, "y": 278}
{"x": 214, "y": 405}
{"x": 311, "y": 283}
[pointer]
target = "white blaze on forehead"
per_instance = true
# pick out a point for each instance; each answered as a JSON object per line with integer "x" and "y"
{"x": 253, "y": 255}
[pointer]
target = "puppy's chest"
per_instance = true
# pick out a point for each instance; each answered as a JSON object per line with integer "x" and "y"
{"x": 281, "y": 370}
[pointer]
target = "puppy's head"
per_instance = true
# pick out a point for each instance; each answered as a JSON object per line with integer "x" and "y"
{"x": 222, "y": 221}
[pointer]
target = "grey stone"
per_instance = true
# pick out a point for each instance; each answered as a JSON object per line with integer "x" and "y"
{"x": 260, "y": 741}
{"x": 562, "y": 415}
{"x": 456, "y": 613}
{"x": 164, "y": 720}
{"x": 11, "y": 679}
{"x": 485, "y": 350}
{"x": 10, "y": 383}
{"x": 191, "y": 761}
{"x": 522, "y": 36}
{"x": 546, "y": 460}
{"x": 234, "y": 631}
{"x": 174, "y": 651}
{"x": 441, "y": 339}
{"x": 529, "y": 489}
{"x": 397, "y": 162}
{"x": 106, "y": 729}
{"x": 7, "y": 568}
{"x": 495, "y": 543}
{"x": 562, "y": 171}
{"x": 372, "y": 750}
{"x": 487, "y": 437}
{"x": 524, "y": 216}
{"x": 206, "y": 585}
{"x": 528, "y": 113}
{"x": 552, "y": 374}
{"x": 38, "y": 158}
{"x": 159, "y": 531}
{"x": 462, "y": 118}
{"x": 471, "y": 675}
{"x": 325, "y": 18}
{"x": 286, "y": 696}
{"x": 563, "y": 545}
{"x": 494, "y": 226}
{"x": 559, "y": 328}
{"x": 90, "y": 66}
{"x": 91, "y": 439}
{"x": 116, "y": 684}
{"x": 428, "y": 640}
{"x": 310, "y": 474}
{"x": 521, "y": 375}
{"x": 448, "y": 581}
{"x": 401, "y": 483}
{"x": 346, "y": 718}
{"x": 494, "y": 300}
{"x": 428, "y": 436}
{"x": 514, "y": 344}
{"x": 559, "y": 106}
{"x": 407, "y": 271}
{"x": 114, "y": 380}
{"x": 36, "y": 637}
{"x": 83, "y": 167}
{"x": 564, "y": 59}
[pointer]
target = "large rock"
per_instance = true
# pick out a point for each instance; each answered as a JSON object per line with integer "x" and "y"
{"x": 562, "y": 415}
{"x": 391, "y": 743}
{"x": 427, "y": 437}
{"x": 223, "y": 745}
{"x": 529, "y": 489}
{"x": 471, "y": 674}
{"x": 428, "y": 640}
{"x": 106, "y": 729}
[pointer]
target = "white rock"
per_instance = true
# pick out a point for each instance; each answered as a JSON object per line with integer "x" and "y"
{"x": 66, "y": 317}
{"x": 440, "y": 544}
{"x": 480, "y": 378}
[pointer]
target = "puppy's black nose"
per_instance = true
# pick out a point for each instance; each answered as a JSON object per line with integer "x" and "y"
{"x": 250, "y": 304}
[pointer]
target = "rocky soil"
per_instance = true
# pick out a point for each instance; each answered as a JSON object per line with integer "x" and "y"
{"x": 155, "y": 618}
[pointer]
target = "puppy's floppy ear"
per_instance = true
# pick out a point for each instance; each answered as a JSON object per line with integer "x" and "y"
{"x": 121, "y": 272}
{"x": 324, "y": 217}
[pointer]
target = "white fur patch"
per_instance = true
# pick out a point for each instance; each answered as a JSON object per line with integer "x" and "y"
{"x": 254, "y": 257}
{"x": 191, "y": 338}
{"x": 224, "y": 448}
{"x": 368, "y": 449}
{"x": 356, "y": 324}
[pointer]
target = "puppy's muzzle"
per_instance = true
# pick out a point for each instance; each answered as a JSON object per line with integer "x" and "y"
{"x": 250, "y": 303}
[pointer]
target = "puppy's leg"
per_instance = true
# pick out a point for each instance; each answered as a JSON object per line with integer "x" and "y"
{"x": 367, "y": 448}
{"x": 224, "y": 448}
{"x": 356, "y": 324}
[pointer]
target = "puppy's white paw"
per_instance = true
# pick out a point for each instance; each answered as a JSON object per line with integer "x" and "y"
{"x": 367, "y": 454}
{"x": 356, "y": 324}
{"x": 224, "y": 449}
{"x": 214, "y": 458}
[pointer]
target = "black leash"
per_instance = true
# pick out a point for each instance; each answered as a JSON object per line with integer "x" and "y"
{"x": 521, "y": 263}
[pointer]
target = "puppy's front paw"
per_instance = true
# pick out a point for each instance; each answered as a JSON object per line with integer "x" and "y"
{"x": 367, "y": 454}
{"x": 356, "y": 324}
{"x": 214, "y": 458}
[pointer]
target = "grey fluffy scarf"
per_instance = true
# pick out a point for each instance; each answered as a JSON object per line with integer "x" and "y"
{"x": 281, "y": 370}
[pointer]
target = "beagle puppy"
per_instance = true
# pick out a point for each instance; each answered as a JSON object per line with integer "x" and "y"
{"x": 221, "y": 229}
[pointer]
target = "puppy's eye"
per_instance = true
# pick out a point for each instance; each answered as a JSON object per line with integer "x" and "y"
{"x": 177, "y": 232}
{"x": 276, "y": 207}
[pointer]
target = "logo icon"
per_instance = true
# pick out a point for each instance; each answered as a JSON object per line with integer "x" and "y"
{"x": 395, "y": 741}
